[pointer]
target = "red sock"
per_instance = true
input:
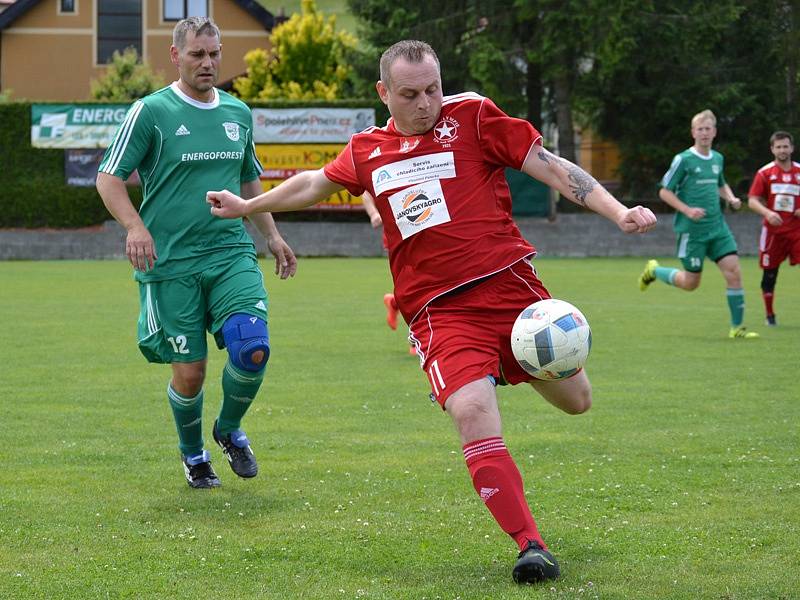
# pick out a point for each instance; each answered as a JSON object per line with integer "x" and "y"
{"x": 499, "y": 484}
{"x": 768, "y": 297}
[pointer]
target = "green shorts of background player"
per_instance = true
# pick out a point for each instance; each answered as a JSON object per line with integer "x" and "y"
{"x": 693, "y": 186}
{"x": 229, "y": 301}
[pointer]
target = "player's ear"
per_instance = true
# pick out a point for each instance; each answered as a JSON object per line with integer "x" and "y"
{"x": 173, "y": 55}
{"x": 383, "y": 91}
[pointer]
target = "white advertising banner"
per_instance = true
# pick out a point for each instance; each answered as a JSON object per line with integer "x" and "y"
{"x": 75, "y": 125}
{"x": 304, "y": 125}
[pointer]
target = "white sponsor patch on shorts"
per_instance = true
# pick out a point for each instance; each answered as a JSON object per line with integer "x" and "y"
{"x": 418, "y": 207}
{"x": 440, "y": 165}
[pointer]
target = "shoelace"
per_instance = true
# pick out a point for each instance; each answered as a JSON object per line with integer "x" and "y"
{"x": 531, "y": 546}
{"x": 234, "y": 451}
{"x": 201, "y": 471}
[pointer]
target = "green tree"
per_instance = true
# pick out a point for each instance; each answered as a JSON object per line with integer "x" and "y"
{"x": 635, "y": 71}
{"x": 497, "y": 64}
{"x": 669, "y": 59}
{"x": 516, "y": 53}
{"x": 308, "y": 59}
{"x": 442, "y": 24}
{"x": 125, "y": 79}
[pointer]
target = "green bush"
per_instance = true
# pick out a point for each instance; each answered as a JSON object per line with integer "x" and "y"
{"x": 125, "y": 79}
{"x": 33, "y": 192}
{"x": 32, "y": 188}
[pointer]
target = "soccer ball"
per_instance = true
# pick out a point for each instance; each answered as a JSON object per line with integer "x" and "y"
{"x": 551, "y": 339}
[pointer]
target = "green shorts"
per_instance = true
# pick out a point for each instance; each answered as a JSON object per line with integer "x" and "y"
{"x": 175, "y": 314}
{"x": 692, "y": 248}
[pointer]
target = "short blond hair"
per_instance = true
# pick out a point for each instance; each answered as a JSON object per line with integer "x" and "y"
{"x": 704, "y": 115}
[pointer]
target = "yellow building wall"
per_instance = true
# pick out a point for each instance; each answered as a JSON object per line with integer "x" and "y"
{"x": 599, "y": 157}
{"x": 45, "y": 55}
{"x": 50, "y": 71}
{"x": 48, "y": 56}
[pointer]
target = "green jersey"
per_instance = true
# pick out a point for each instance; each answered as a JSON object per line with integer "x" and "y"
{"x": 696, "y": 180}
{"x": 183, "y": 148}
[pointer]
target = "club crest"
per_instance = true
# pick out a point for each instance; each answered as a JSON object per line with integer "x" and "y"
{"x": 232, "y": 131}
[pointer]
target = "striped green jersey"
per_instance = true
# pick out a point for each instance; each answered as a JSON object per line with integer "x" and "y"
{"x": 182, "y": 149}
{"x": 696, "y": 180}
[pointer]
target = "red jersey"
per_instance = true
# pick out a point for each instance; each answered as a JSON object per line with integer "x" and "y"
{"x": 781, "y": 191}
{"x": 442, "y": 196}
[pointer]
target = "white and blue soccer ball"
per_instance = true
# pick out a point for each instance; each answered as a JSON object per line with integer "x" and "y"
{"x": 551, "y": 339}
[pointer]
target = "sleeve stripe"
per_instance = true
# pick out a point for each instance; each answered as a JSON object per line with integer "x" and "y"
{"x": 255, "y": 159}
{"x": 671, "y": 173}
{"x": 117, "y": 149}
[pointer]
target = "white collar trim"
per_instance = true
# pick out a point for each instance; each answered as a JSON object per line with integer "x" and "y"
{"x": 708, "y": 156}
{"x": 196, "y": 103}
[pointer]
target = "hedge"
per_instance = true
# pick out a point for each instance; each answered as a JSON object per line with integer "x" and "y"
{"x": 32, "y": 188}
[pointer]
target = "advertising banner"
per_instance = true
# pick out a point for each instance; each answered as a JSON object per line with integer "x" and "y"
{"x": 80, "y": 167}
{"x": 281, "y": 161}
{"x": 75, "y": 125}
{"x": 301, "y": 125}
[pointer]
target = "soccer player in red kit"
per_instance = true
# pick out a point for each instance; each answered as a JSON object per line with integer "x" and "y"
{"x": 775, "y": 195}
{"x": 461, "y": 269}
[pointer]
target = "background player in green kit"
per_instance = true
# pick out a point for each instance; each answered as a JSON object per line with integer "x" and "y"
{"x": 196, "y": 272}
{"x": 693, "y": 186}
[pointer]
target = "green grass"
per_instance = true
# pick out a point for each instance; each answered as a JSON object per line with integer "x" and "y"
{"x": 681, "y": 482}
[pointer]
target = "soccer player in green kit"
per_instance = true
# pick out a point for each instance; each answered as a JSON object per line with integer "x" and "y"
{"x": 196, "y": 272}
{"x": 693, "y": 186}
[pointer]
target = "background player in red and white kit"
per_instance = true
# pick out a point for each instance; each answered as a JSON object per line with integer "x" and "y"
{"x": 775, "y": 195}
{"x": 461, "y": 269}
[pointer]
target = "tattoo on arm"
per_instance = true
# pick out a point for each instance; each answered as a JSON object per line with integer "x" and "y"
{"x": 580, "y": 182}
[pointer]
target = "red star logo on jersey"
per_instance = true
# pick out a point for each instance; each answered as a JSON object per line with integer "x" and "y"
{"x": 446, "y": 130}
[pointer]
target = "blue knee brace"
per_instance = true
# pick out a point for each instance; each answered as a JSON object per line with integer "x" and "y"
{"x": 247, "y": 341}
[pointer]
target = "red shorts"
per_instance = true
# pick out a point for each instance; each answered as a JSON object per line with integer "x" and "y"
{"x": 775, "y": 248}
{"x": 465, "y": 335}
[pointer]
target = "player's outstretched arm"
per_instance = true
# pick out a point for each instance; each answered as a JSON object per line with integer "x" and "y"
{"x": 139, "y": 246}
{"x": 300, "y": 191}
{"x": 577, "y": 185}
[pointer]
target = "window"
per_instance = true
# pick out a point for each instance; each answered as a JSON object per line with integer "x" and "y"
{"x": 66, "y": 6}
{"x": 175, "y": 10}
{"x": 119, "y": 25}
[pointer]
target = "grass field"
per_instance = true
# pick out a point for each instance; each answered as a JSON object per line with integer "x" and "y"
{"x": 683, "y": 481}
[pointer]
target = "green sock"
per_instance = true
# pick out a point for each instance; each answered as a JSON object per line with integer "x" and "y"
{"x": 666, "y": 274}
{"x": 188, "y": 414}
{"x": 239, "y": 388}
{"x": 736, "y": 305}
